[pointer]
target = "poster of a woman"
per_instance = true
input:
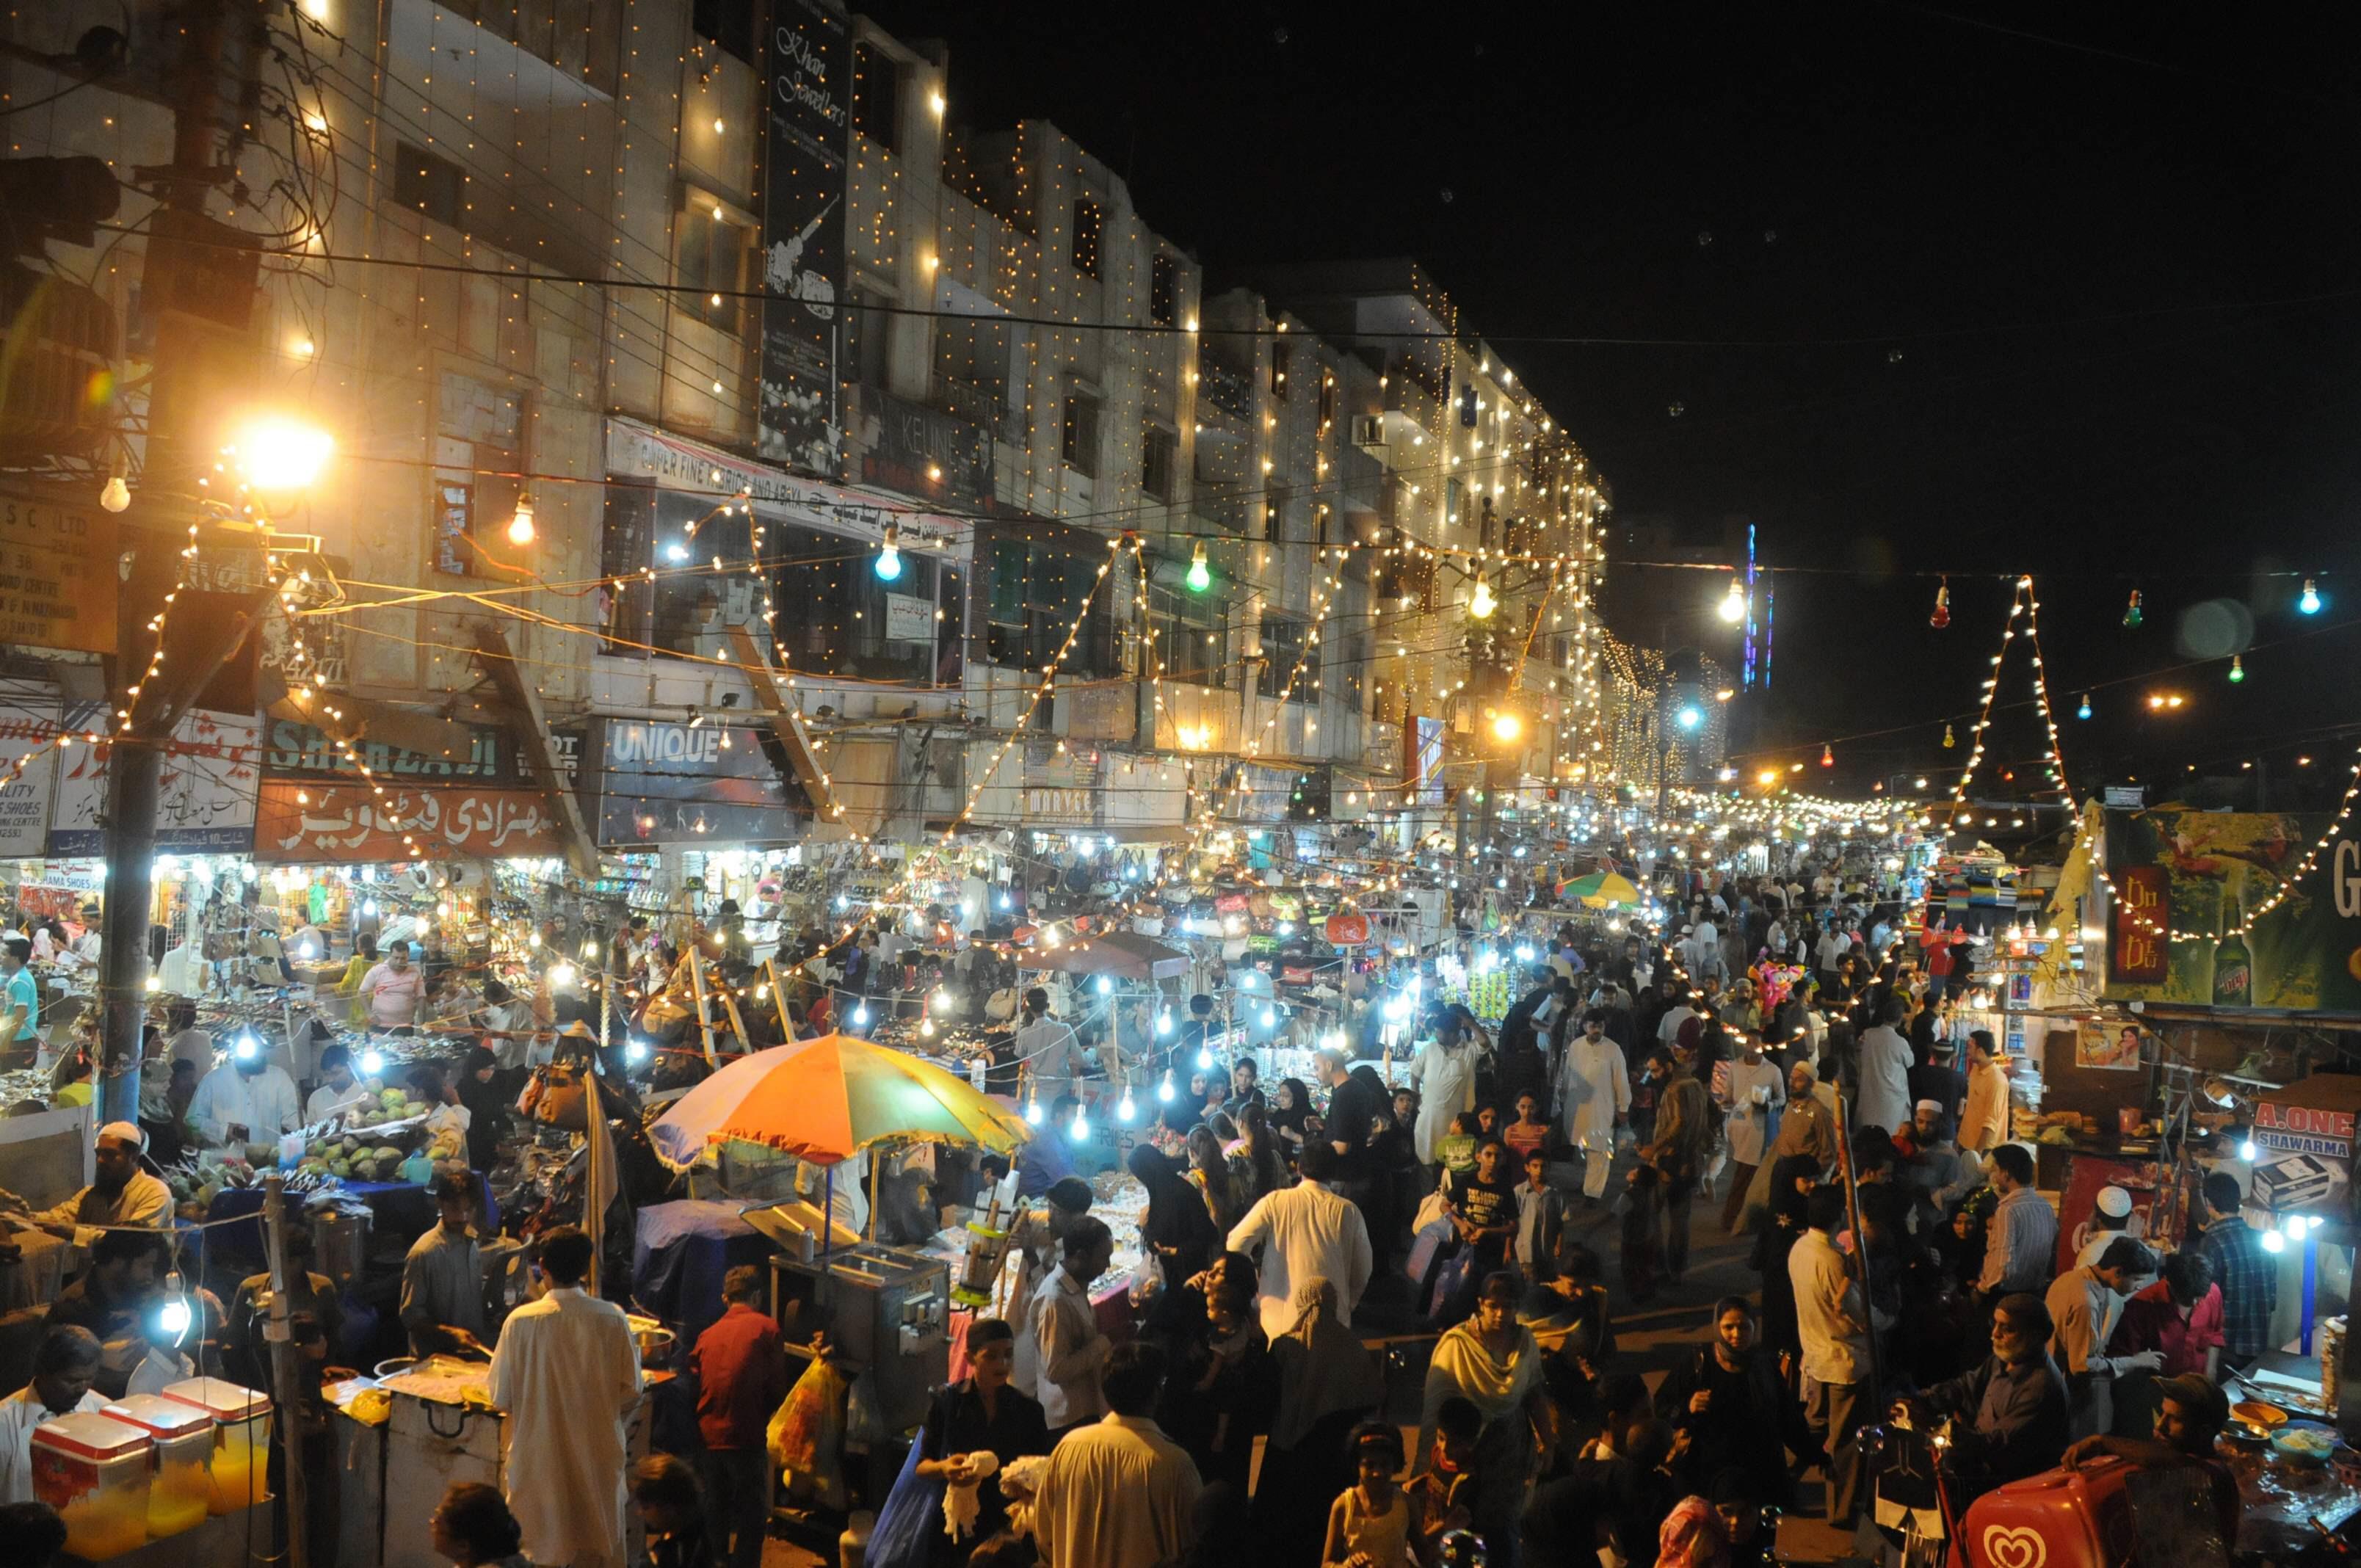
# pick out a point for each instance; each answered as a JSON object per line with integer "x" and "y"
{"x": 2108, "y": 1047}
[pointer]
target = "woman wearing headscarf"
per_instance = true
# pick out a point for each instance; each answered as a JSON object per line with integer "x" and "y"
{"x": 1210, "y": 1173}
{"x": 1290, "y": 1107}
{"x": 1257, "y": 1162}
{"x": 1494, "y": 1363}
{"x": 1327, "y": 1385}
{"x": 1176, "y": 1231}
{"x": 487, "y": 1116}
{"x": 1781, "y": 1225}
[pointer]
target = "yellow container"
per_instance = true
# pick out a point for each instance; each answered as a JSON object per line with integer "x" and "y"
{"x": 238, "y": 1475}
{"x": 180, "y": 1492}
{"x": 94, "y": 1471}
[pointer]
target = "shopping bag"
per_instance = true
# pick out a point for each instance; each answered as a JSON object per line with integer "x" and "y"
{"x": 904, "y": 1533}
{"x": 806, "y": 1434}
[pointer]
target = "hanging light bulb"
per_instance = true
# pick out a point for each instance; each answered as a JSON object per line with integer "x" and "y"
{"x": 1950, "y": 741}
{"x": 889, "y": 554}
{"x": 1942, "y": 616}
{"x": 520, "y": 525}
{"x": 2131, "y": 616}
{"x": 2309, "y": 603}
{"x": 2084, "y": 711}
{"x": 115, "y": 494}
{"x": 1033, "y": 1108}
{"x": 1125, "y": 1110}
{"x": 1079, "y": 1128}
{"x": 1827, "y": 756}
{"x": 1481, "y": 603}
{"x": 1732, "y": 608}
{"x": 1164, "y": 1089}
{"x": 1201, "y": 576}
{"x": 2237, "y": 670}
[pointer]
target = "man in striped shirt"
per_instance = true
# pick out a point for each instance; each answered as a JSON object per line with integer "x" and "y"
{"x": 2021, "y": 1241}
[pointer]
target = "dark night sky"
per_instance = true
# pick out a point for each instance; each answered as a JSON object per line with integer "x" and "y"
{"x": 2123, "y": 294}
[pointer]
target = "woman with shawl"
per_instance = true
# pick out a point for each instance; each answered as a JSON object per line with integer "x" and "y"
{"x": 1327, "y": 1385}
{"x": 1792, "y": 1180}
{"x": 1257, "y": 1162}
{"x": 1290, "y": 1107}
{"x": 1494, "y": 1363}
{"x": 1176, "y": 1231}
{"x": 1209, "y": 1172}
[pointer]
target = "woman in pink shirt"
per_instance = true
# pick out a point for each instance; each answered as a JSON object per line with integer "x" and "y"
{"x": 2180, "y": 1316}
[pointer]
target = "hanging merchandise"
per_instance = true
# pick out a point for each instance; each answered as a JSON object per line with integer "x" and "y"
{"x": 1942, "y": 616}
{"x": 2237, "y": 670}
{"x": 2131, "y": 616}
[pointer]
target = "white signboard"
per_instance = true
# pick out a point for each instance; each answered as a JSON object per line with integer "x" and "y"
{"x": 204, "y": 801}
{"x": 909, "y": 618}
{"x": 28, "y": 719}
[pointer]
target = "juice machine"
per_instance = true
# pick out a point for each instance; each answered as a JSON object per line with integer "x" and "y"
{"x": 885, "y": 1311}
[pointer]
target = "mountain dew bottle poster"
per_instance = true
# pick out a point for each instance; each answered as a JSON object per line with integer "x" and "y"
{"x": 2233, "y": 911}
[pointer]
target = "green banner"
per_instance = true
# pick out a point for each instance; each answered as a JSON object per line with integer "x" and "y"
{"x": 2233, "y": 910}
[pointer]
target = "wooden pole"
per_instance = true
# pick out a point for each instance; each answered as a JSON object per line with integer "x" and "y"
{"x": 284, "y": 1387}
{"x": 696, "y": 961}
{"x": 1860, "y": 1239}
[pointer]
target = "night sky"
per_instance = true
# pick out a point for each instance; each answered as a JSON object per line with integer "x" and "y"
{"x": 2069, "y": 291}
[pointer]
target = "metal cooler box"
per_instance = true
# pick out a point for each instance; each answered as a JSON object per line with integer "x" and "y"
{"x": 885, "y": 1311}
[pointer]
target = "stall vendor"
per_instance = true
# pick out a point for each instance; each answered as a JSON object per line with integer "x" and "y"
{"x": 247, "y": 1100}
{"x": 121, "y": 1194}
{"x": 64, "y": 1369}
{"x": 338, "y": 1088}
{"x": 443, "y": 1278}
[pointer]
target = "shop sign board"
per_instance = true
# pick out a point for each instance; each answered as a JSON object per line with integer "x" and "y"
{"x": 678, "y": 783}
{"x": 58, "y": 574}
{"x": 299, "y": 823}
{"x": 810, "y": 122}
{"x": 205, "y": 797}
{"x": 909, "y": 618}
{"x": 2187, "y": 924}
{"x": 29, "y": 711}
{"x": 298, "y": 750}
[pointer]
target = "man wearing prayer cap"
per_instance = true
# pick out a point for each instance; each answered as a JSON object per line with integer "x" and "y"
{"x": 123, "y": 1194}
{"x": 2111, "y": 1217}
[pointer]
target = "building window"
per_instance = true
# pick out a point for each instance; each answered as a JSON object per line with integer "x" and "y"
{"x": 837, "y": 615}
{"x": 728, "y": 23}
{"x": 1327, "y": 409}
{"x": 1090, "y": 224}
{"x": 1280, "y": 358}
{"x": 434, "y": 186}
{"x": 865, "y": 329}
{"x": 1082, "y": 449}
{"x": 712, "y": 262}
{"x": 1192, "y": 638}
{"x": 1037, "y": 591}
{"x": 878, "y": 97}
{"x": 1453, "y": 496}
{"x": 1286, "y": 645}
{"x": 1163, "y": 288}
{"x": 1159, "y": 450}
{"x": 478, "y": 458}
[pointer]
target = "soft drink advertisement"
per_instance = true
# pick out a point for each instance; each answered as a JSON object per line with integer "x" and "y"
{"x": 2233, "y": 910}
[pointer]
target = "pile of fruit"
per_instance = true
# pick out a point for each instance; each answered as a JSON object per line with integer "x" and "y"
{"x": 369, "y": 1143}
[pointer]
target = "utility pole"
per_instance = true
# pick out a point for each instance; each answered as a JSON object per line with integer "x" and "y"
{"x": 135, "y": 759}
{"x": 285, "y": 1380}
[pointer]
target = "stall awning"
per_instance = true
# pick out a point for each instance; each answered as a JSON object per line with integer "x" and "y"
{"x": 1124, "y": 955}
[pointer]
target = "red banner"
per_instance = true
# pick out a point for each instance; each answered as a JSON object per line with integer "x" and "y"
{"x": 301, "y": 822}
{"x": 1349, "y": 930}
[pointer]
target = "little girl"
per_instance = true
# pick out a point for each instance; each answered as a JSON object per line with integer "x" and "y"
{"x": 1528, "y": 1132}
{"x": 1368, "y": 1524}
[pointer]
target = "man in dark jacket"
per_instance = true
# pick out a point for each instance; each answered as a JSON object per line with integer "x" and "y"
{"x": 2010, "y": 1413}
{"x": 1524, "y": 1063}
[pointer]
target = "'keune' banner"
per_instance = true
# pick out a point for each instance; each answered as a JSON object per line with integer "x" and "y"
{"x": 804, "y": 197}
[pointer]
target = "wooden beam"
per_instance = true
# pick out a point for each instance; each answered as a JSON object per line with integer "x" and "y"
{"x": 788, "y": 726}
{"x": 500, "y": 662}
{"x": 351, "y": 719}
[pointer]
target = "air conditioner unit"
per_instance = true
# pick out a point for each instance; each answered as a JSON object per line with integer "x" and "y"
{"x": 1368, "y": 430}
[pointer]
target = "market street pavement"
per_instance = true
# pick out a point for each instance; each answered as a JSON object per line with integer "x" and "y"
{"x": 1649, "y": 1340}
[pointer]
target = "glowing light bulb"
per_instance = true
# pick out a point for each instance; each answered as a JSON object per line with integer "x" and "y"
{"x": 1164, "y": 1089}
{"x": 1204, "y": 1060}
{"x": 1033, "y": 1113}
{"x": 1732, "y": 608}
{"x": 2247, "y": 1151}
{"x": 1105, "y": 986}
{"x": 634, "y": 1052}
{"x": 1200, "y": 577}
{"x": 521, "y": 529}
{"x": 2084, "y": 711}
{"x": 889, "y": 554}
{"x": 1125, "y": 1110}
{"x": 115, "y": 494}
{"x": 1481, "y": 604}
{"x": 861, "y": 1016}
{"x": 372, "y": 1063}
{"x": 1164, "y": 1022}
{"x": 1079, "y": 1128}
{"x": 2309, "y": 603}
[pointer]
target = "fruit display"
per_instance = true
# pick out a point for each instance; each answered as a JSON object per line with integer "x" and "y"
{"x": 367, "y": 1141}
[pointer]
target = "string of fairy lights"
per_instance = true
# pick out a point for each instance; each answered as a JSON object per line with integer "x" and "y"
{"x": 2023, "y": 602}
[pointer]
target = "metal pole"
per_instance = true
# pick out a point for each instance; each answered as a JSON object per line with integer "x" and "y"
{"x": 594, "y": 1214}
{"x": 134, "y": 774}
{"x": 285, "y": 1387}
{"x": 1860, "y": 1239}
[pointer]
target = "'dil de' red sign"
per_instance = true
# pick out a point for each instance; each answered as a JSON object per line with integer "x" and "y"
{"x": 2136, "y": 953}
{"x": 1349, "y": 930}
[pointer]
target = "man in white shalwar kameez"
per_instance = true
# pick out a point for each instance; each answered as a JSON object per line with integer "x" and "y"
{"x": 566, "y": 1372}
{"x": 1445, "y": 1074}
{"x": 1595, "y": 1091}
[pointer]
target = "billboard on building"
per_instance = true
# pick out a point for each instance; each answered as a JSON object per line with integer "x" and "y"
{"x": 205, "y": 795}
{"x": 675, "y": 783}
{"x": 803, "y": 198}
{"x": 2220, "y": 909}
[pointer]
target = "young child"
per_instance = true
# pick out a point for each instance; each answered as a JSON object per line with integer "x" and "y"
{"x": 1370, "y": 1523}
{"x": 1540, "y": 1217}
{"x": 1455, "y": 1150}
{"x": 1441, "y": 1497}
{"x": 1528, "y": 1132}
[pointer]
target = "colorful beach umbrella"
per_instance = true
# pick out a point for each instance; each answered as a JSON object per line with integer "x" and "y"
{"x": 1601, "y": 890}
{"x": 825, "y": 1100}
